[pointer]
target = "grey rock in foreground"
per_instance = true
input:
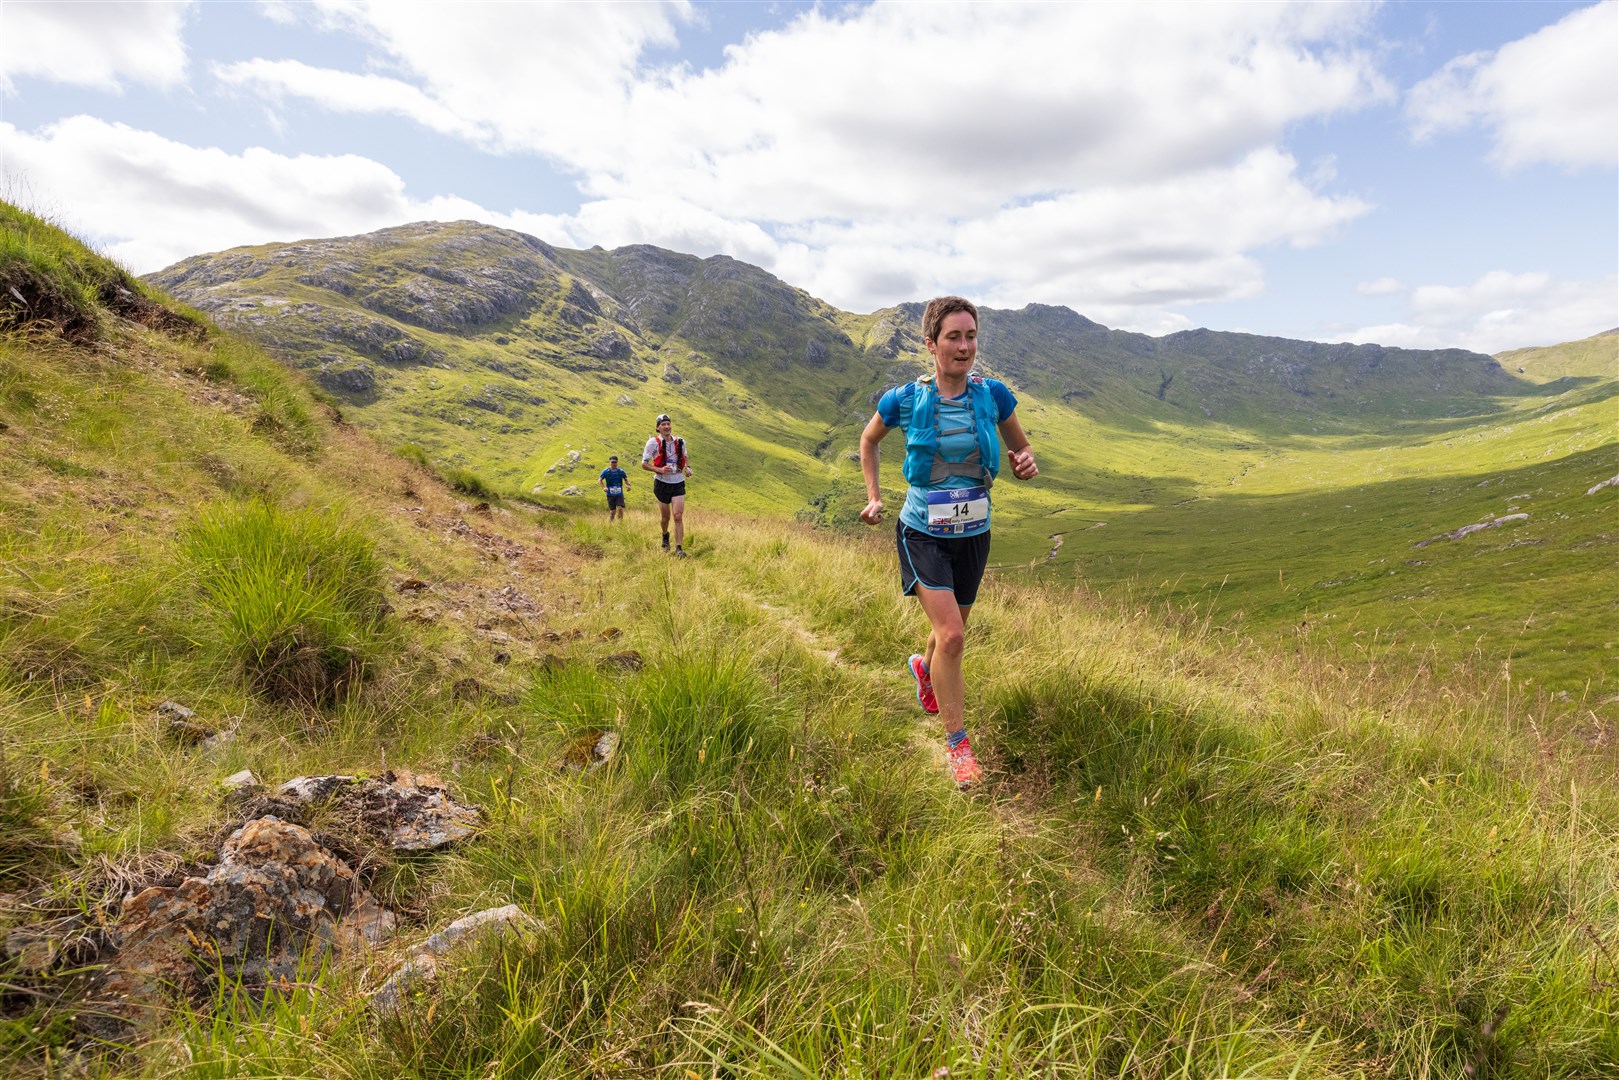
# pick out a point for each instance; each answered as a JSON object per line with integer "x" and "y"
{"x": 423, "y": 960}
{"x": 275, "y": 899}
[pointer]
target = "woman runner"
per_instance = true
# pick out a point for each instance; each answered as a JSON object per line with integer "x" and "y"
{"x": 954, "y": 423}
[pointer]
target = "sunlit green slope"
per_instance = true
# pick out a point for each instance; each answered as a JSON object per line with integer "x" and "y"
{"x": 1288, "y": 479}
{"x": 1593, "y": 357}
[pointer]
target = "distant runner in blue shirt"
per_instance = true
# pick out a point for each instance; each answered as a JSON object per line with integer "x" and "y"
{"x": 954, "y": 423}
{"x": 615, "y": 481}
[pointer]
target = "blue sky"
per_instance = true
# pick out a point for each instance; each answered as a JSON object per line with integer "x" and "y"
{"x": 1421, "y": 174}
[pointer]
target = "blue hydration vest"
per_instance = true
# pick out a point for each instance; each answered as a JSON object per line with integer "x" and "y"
{"x": 923, "y": 464}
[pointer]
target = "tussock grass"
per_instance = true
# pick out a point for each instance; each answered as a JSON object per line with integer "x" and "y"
{"x": 468, "y": 483}
{"x": 294, "y": 597}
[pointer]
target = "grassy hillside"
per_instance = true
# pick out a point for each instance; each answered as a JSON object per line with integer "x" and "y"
{"x": 1193, "y": 856}
{"x": 1321, "y": 535}
{"x": 1595, "y": 357}
{"x": 1280, "y": 485}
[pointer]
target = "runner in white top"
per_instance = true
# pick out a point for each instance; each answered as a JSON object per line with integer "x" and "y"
{"x": 665, "y": 457}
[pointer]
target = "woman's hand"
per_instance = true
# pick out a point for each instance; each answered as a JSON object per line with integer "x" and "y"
{"x": 1023, "y": 466}
{"x": 873, "y": 513}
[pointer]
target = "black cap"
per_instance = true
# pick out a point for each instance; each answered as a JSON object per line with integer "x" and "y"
{"x": 612, "y": 457}
{"x": 663, "y": 417}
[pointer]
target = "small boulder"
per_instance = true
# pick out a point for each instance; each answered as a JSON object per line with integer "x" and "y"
{"x": 243, "y": 782}
{"x": 410, "y": 813}
{"x": 423, "y": 961}
{"x": 189, "y": 732}
{"x": 274, "y": 897}
{"x": 589, "y": 751}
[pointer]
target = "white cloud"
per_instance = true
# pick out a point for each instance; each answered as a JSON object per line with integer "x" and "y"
{"x": 95, "y": 175}
{"x": 547, "y": 78}
{"x": 875, "y": 109}
{"x": 99, "y": 45}
{"x": 1502, "y": 311}
{"x": 1549, "y": 97}
{"x": 1123, "y": 160}
{"x": 1383, "y": 286}
{"x": 1102, "y": 156}
{"x": 341, "y": 91}
{"x": 1128, "y": 250}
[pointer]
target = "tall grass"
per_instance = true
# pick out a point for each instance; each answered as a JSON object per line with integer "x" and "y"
{"x": 1193, "y": 856}
{"x": 293, "y": 596}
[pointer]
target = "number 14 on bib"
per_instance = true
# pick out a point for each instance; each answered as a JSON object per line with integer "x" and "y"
{"x": 957, "y": 511}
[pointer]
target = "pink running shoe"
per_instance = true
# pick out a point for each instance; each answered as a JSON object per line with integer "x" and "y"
{"x": 924, "y": 685}
{"x": 964, "y": 766}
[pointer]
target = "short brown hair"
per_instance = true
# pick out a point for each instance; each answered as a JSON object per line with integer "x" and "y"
{"x": 940, "y": 308}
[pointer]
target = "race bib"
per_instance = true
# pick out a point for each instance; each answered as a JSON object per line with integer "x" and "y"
{"x": 956, "y": 512}
{"x": 614, "y": 490}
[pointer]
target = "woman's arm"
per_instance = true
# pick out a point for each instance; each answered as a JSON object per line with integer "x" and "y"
{"x": 1017, "y": 448}
{"x": 869, "y": 438}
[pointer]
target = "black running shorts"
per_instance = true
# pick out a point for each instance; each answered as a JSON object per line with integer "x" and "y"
{"x": 941, "y": 562}
{"x": 615, "y": 501}
{"x": 665, "y": 493}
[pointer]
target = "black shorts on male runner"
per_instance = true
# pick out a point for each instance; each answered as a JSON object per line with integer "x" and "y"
{"x": 665, "y": 493}
{"x": 941, "y": 562}
{"x": 615, "y": 502}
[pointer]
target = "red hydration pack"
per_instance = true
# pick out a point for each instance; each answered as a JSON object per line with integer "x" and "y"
{"x": 661, "y": 458}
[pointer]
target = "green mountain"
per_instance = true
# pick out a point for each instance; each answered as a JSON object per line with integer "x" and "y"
{"x": 466, "y": 328}
{"x": 1266, "y": 482}
{"x": 229, "y": 617}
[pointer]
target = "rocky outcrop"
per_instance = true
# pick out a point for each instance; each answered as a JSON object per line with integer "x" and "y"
{"x": 336, "y": 376}
{"x": 406, "y": 812}
{"x": 579, "y": 307}
{"x": 1468, "y": 530}
{"x": 452, "y": 299}
{"x": 610, "y": 346}
{"x": 275, "y": 898}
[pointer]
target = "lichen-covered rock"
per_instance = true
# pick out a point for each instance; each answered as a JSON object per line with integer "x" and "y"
{"x": 275, "y": 897}
{"x": 589, "y": 751}
{"x": 407, "y": 812}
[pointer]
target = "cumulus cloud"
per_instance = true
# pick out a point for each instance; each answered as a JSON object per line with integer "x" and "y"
{"x": 871, "y": 110}
{"x": 99, "y": 45}
{"x": 546, "y": 78}
{"x": 1546, "y": 98}
{"x": 191, "y": 199}
{"x": 1500, "y": 311}
{"x": 1112, "y": 158}
{"x": 1123, "y": 160}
